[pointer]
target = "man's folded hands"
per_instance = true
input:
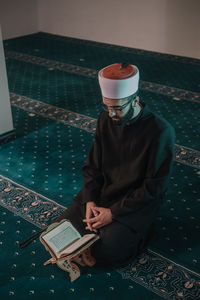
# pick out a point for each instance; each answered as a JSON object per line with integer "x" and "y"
{"x": 96, "y": 217}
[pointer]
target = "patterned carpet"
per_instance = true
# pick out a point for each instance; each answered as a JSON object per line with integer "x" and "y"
{"x": 55, "y": 101}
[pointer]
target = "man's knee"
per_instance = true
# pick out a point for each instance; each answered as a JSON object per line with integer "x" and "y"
{"x": 117, "y": 244}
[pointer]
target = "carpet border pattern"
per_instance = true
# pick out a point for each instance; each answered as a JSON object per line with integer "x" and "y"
{"x": 151, "y": 270}
{"x": 170, "y": 57}
{"x": 176, "y": 93}
{"x": 183, "y": 155}
{"x": 163, "y": 277}
{"x": 29, "y": 205}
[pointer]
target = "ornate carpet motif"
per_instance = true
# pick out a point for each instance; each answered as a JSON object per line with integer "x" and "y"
{"x": 152, "y": 271}
{"x": 176, "y": 93}
{"x": 123, "y": 49}
{"x": 27, "y": 204}
{"x": 187, "y": 156}
{"x": 51, "y": 64}
{"x": 163, "y": 277}
{"x": 58, "y": 114}
{"x": 183, "y": 154}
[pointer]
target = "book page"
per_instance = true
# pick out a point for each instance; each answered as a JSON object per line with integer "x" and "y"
{"x": 61, "y": 236}
{"x": 77, "y": 244}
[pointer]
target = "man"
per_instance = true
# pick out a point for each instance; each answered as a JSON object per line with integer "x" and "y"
{"x": 127, "y": 170}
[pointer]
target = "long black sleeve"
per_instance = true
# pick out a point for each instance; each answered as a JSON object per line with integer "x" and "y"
{"x": 147, "y": 198}
{"x": 92, "y": 175}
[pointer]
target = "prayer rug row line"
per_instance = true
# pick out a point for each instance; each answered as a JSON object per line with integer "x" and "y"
{"x": 176, "y": 93}
{"x": 183, "y": 155}
{"x": 171, "y": 57}
{"x": 151, "y": 270}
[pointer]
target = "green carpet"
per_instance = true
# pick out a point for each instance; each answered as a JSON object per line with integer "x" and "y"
{"x": 25, "y": 277}
{"x": 97, "y": 55}
{"x": 55, "y": 102}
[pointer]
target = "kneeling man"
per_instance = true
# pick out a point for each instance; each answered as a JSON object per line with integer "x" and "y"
{"x": 126, "y": 173}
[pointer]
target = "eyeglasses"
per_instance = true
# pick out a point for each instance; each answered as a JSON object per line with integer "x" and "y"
{"x": 118, "y": 108}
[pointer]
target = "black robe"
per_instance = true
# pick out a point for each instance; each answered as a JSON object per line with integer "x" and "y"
{"x": 128, "y": 168}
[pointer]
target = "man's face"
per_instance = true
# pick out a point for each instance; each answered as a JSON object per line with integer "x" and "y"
{"x": 118, "y": 116}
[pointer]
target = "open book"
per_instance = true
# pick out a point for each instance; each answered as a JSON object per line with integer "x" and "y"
{"x": 64, "y": 239}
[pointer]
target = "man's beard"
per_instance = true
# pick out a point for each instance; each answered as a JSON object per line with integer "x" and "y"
{"x": 120, "y": 121}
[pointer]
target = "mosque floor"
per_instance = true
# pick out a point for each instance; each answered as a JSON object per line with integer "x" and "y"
{"x": 55, "y": 101}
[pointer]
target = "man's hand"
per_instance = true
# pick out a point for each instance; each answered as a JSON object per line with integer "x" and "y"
{"x": 89, "y": 214}
{"x": 102, "y": 217}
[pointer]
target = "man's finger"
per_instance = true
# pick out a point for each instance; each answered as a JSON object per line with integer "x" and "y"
{"x": 89, "y": 226}
{"x": 88, "y": 216}
{"x": 97, "y": 225}
{"x": 96, "y": 208}
{"x": 95, "y": 212}
{"x": 93, "y": 229}
{"x": 92, "y": 220}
